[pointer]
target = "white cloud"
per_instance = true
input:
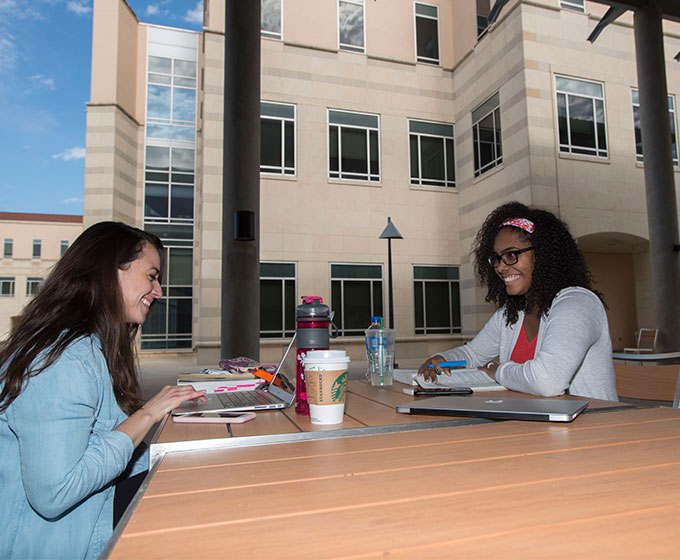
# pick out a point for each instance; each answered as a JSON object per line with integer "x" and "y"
{"x": 44, "y": 80}
{"x": 78, "y": 7}
{"x": 72, "y": 153}
{"x": 158, "y": 8}
{"x": 72, "y": 200}
{"x": 19, "y": 10}
{"x": 9, "y": 53}
{"x": 195, "y": 15}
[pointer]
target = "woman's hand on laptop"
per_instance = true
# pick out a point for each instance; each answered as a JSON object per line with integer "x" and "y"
{"x": 167, "y": 399}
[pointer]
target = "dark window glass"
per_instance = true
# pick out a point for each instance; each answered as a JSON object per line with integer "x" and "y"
{"x": 427, "y": 40}
{"x": 156, "y": 201}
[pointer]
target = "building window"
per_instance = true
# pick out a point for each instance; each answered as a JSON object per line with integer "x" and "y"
{"x": 6, "y": 286}
{"x": 171, "y": 99}
{"x": 63, "y": 245}
{"x": 356, "y": 296}
{"x": 277, "y": 299}
{"x": 169, "y": 184}
{"x": 431, "y": 150}
{"x": 486, "y": 135}
{"x": 427, "y": 33}
{"x": 169, "y": 323}
{"x": 37, "y": 248}
{"x": 580, "y": 115}
{"x": 32, "y": 286}
{"x": 351, "y": 25}
{"x": 436, "y": 292}
{"x": 353, "y": 146}
{"x": 272, "y": 16}
{"x": 277, "y": 138}
{"x": 8, "y": 248}
{"x": 483, "y": 10}
{"x": 638, "y": 132}
{"x": 575, "y": 5}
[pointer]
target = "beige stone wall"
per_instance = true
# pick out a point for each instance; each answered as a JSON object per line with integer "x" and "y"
{"x": 22, "y": 265}
{"x": 313, "y": 221}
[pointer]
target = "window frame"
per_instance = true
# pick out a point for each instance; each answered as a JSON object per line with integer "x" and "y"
{"x": 8, "y": 244}
{"x": 7, "y": 286}
{"x": 174, "y": 81}
{"x": 63, "y": 246}
{"x": 282, "y": 170}
{"x": 267, "y": 34}
{"x": 453, "y": 283}
{"x": 494, "y": 103}
{"x": 574, "y": 5}
{"x": 33, "y": 285}
{"x": 283, "y": 332}
{"x": 419, "y": 181}
{"x": 340, "y": 175}
{"x": 570, "y": 149}
{"x": 36, "y": 250}
{"x": 424, "y": 59}
{"x": 339, "y": 318}
{"x": 347, "y": 46}
{"x": 166, "y": 339}
{"x": 672, "y": 112}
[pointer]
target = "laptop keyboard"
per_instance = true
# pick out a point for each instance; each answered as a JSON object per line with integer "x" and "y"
{"x": 244, "y": 398}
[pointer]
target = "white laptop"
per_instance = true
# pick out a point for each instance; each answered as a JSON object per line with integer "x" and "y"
{"x": 546, "y": 410}
{"x": 266, "y": 397}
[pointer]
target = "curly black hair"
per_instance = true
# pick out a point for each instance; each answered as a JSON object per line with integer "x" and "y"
{"x": 558, "y": 262}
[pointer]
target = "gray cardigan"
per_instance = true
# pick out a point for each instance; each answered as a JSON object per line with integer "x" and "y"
{"x": 573, "y": 350}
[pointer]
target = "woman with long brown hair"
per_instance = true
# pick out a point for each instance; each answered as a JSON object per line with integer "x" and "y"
{"x": 71, "y": 412}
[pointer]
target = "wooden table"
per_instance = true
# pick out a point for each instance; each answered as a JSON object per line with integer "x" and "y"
{"x": 605, "y": 485}
{"x": 367, "y": 410}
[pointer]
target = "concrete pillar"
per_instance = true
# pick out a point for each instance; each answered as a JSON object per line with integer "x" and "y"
{"x": 240, "y": 320}
{"x": 662, "y": 212}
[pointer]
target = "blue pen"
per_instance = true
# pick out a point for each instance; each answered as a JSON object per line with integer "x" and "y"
{"x": 458, "y": 363}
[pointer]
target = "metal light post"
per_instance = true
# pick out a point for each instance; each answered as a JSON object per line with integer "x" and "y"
{"x": 390, "y": 233}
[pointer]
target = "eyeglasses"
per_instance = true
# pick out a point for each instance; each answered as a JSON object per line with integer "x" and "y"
{"x": 509, "y": 257}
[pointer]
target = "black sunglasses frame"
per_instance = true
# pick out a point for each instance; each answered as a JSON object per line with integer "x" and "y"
{"x": 494, "y": 260}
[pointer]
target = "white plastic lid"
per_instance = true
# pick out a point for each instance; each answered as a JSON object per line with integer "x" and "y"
{"x": 325, "y": 356}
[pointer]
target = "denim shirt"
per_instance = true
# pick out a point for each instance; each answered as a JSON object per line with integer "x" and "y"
{"x": 60, "y": 457}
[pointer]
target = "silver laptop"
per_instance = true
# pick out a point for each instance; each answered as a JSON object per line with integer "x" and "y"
{"x": 546, "y": 410}
{"x": 266, "y": 397}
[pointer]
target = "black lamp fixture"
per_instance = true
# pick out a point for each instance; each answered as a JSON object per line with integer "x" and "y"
{"x": 390, "y": 233}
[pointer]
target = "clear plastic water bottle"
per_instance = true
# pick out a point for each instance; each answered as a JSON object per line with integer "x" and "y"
{"x": 379, "y": 353}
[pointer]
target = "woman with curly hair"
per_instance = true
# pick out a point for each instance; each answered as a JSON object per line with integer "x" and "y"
{"x": 550, "y": 332}
{"x": 71, "y": 412}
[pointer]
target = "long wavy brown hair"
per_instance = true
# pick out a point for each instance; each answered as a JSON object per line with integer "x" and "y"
{"x": 80, "y": 297}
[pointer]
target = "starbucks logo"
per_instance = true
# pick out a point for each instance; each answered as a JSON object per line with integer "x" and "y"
{"x": 339, "y": 387}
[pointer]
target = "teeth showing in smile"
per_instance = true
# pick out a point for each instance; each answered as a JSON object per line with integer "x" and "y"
{"x": 146, "y": 302}
{"x": 511, "y": 278}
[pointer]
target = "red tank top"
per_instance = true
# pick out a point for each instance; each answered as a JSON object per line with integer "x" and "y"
{"x": 523, "y": 350}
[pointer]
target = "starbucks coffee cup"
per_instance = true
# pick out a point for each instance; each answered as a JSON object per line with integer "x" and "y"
{"x": 326, "y": 374}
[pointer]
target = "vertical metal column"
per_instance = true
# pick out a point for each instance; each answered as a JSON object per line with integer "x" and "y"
{"x": 662, "y": 213}
{"x": 240, "y": 319}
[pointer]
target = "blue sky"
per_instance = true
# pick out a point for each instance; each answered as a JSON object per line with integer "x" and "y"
{"x": 45, "y": 55}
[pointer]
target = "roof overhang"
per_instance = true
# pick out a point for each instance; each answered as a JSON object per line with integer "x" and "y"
{"x": 669, "y": 8}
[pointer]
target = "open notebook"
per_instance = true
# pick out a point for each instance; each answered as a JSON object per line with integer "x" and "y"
{"x": 460, "y": 377}
{"x": 268, "y": 396}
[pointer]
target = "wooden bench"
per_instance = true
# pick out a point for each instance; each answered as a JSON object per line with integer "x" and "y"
{"x": 654, "y": 383}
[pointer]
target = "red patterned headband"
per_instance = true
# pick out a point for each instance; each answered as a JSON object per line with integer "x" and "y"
{"x": 521, "y": 223}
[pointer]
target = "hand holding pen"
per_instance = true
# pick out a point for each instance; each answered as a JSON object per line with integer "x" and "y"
{"x": 436, "y": 365}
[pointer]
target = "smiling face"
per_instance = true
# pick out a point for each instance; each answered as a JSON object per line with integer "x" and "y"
{"x": 516, "y": 277}
{"x": 139, "y": 284}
